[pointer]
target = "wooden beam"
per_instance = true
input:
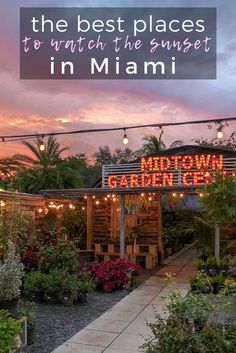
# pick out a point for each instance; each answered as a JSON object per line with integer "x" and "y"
{"x": 89, "y": 222}
{"x": 122, "y": 226}
{"x": 159, "y": 240}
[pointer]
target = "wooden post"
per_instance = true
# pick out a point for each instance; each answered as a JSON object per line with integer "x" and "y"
{"x": 122, "y": 226}
{"x": 160, "y": 241}
{"x": 217, "y": 241}
{"x": 89, "y": 222}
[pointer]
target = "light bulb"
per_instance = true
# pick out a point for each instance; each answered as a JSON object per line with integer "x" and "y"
{"x": 42, "y": 147}
{"x": 125, "y": 139}
{"x": 220, "y": 134}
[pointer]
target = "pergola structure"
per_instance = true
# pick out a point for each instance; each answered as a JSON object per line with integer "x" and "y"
{"x": 181, "y": 170}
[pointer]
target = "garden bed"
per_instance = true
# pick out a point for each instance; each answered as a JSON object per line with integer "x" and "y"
{"x": 57, "y": 323}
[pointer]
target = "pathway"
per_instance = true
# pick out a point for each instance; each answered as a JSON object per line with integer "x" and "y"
{"x": 123, "y": 328}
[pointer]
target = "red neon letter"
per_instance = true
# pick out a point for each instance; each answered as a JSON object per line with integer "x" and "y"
{"x": 217, "y": 163}
{"x": 164, "y": 163}
{"x": 187, "y": 162}
{"x": 123, "y": 181}
{"x": 112, "y": 182}
{"x": 202, "y": 161}
{"x": 146, "y": 165}
{"x": 134, "y": 180}
{"x": 186, "y": 176}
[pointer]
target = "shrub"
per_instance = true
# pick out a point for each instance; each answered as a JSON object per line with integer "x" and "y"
{"x": 85, "y": 287}
{"x": 111, "y": 275}
{"x": 34, "y": 283}
{"x": 53, "y": 282}
{"x": 11, "y": 274}
{"x": 186, "y": 328}
{"x": 229, "y": 287}
{"x": 9, "y": 328}
{"x": 28, "y": 309}
{"x": 62, "y": 257}
{"x": 201, "y": 281}
{"x": 30, "y": 259}
{"x": 68, "y": 284}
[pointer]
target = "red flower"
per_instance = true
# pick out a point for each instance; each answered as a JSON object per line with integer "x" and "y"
{"x": 112, "y": 274}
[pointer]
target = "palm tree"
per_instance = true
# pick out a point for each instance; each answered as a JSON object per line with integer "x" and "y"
{"x": 154, "y": 144}
{"x": 46, "y": 158}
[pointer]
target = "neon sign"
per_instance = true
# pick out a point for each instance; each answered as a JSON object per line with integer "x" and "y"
{"x": 167, "y": 171}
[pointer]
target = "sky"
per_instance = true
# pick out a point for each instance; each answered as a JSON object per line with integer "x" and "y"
{"x": 37, "y": 106}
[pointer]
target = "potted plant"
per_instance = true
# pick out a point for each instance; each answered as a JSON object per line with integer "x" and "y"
{"x": 217, "y": 283}
{"x": 201, "y": 265}
{"x": 28, "y": 309}
{"x": 203, "y": 282}
{"x": 84, "y": 288}
{"x": 212, "y": 266}
{"x": 9, "y": 329}
{"x": 193, "y": 283}
{"x": 68, "y": 289}
{"x": 34, "y": 286}
{"x": 229, "y": 287}
{"x": 223, "y": 267}
{"x": 52, "y": 287}
{"x": 11, "y": 274}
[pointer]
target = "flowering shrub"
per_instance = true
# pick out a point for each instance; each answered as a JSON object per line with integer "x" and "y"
{"x": 229, "y": 287}
{"x": 11, "y": 273}
{"x": 30, "y": 259}
{"x": 113, "y": 274}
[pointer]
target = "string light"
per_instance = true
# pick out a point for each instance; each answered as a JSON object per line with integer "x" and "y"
{"x": 40, "y": 210}
{"x": 7, "y": 138}
{"x": 83, "y": 208}
{"x": 150, "y": 198}
{"x": 125, "y": 138}
{"x": 220, "y": 134}
{"x": 2, "y": 203}
{"x": 201, "y": 194}
{"x": 42, "y": 146}
{"x": 181, "y": 195}
{"x": 142, "y": 194}
{"x": 174, "y": 194}
{"x": 97, "y": 202}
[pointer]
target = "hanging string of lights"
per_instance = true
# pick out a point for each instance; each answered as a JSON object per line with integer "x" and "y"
{"x": 219, "y": 121}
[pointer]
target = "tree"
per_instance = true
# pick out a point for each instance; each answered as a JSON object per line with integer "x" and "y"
{"x": 104, "y": 156}
{"x": 219, "y": 204}
{"x": 229, "y": 143}
{"x": 47, "y": 158}
{"x": 8, "y": 170}
{"x": 154, "y": 144}
{"x": 46, "y": 169}
{"x": 124, "y": 156}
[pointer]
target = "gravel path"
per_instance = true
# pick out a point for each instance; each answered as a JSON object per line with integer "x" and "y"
{"x": 57, "y": 323}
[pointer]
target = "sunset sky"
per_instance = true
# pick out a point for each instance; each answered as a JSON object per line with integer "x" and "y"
{"x": 39, "y": 106}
